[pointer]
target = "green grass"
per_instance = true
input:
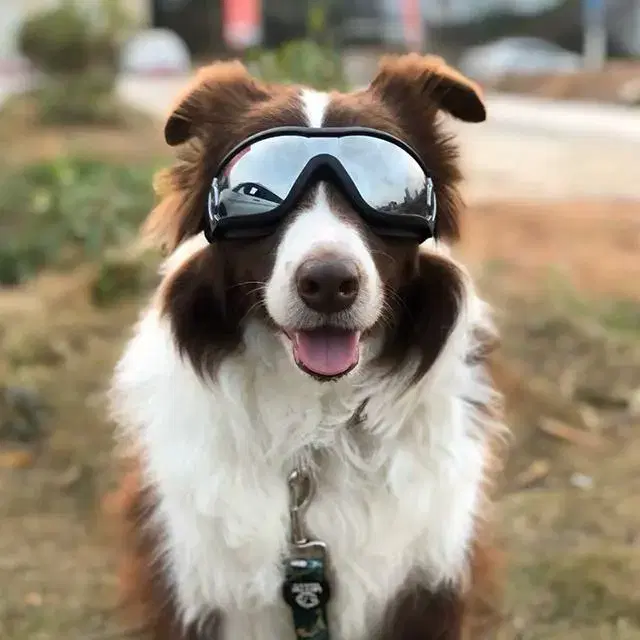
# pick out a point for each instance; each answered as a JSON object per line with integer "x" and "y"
{"x": 300, "y": 62}
{"x": 56, "y": 212}
{"x": 121, "y": 276}
{"x": 614, "y": 315}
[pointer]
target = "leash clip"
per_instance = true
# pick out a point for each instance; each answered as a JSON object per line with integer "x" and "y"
{"x": 301, "y": 490}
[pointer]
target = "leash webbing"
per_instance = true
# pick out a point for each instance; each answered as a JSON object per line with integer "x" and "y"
{"x": 306, "y": 591}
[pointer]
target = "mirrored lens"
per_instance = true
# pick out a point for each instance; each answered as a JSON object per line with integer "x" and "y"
{"x": 261, "y": 176}
{"x": 386, "y": 176}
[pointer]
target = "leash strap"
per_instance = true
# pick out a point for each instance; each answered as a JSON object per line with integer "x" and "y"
{"x": 306, "y": 591}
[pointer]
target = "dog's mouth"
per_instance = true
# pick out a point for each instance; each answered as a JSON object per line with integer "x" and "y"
{"x": 325, "y": 352}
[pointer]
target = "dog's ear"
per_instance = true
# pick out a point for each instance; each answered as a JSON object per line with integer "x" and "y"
{"x": 216, "y": 96}
{"x": 423, "y": 83}
{"x": 209, "y": 111}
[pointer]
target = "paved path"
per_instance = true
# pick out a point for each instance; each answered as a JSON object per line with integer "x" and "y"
{"x": 543, "y": 149}
{"x": 507, "y": 161}
{"x": 12, "y": 83}
{"x": 566, "y": 117}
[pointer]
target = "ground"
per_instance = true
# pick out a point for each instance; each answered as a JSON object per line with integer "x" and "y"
{"x": 564, "y": 277}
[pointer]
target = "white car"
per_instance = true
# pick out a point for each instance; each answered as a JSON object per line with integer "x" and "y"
{"x": 155, "y": 50}
{"x": 249, "y": 197}
{"x": 517, "y": 55}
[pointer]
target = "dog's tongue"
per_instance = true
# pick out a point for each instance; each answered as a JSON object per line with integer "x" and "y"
{"x": 327, "y": 351}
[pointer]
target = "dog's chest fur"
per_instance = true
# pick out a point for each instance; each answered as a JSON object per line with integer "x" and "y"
{"x": 397, "y": 494}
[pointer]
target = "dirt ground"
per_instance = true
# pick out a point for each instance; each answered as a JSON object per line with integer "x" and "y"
{"x": 565, "y": 280}
{"x": 618, "y": 82}
{"x": 593, "y": 245}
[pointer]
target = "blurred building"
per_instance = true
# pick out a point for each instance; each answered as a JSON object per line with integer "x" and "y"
{"x": 445, "y": 24}
{"x": 449, "y": 26}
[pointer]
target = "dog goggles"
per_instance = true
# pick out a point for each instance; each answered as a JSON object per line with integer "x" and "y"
{"x": 260, "y": 181}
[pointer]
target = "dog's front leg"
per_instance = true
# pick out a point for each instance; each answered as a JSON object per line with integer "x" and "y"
{"x": 474, "y": 613}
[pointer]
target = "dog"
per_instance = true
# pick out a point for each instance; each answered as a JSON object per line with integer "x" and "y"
{"x": 316, "y": 382}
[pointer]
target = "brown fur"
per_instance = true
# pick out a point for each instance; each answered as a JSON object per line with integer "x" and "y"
{"x": 211, "y": 296}
{"x": 147, "y": 603}
{"x": 147, "y": 598}
{"x": 410, "y": 77}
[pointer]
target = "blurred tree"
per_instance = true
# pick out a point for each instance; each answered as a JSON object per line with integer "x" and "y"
{"x": 57, "y": 40}
{"x": 286, "y": 20}
{"x": 313, "y": 60}
{"x": 69, "y": 37}
{"x": 76, "y": 47}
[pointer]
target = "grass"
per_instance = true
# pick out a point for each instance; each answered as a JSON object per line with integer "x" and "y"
{"x": 71, "y": 193}
{"x": 123, "y": 275}
{"x": 79, "y": 99}
{"x": 614, "y": 315}
{"x": 131, "y": 139}
{"x": 58, "y": 212}
{"x": 57, "y": 566}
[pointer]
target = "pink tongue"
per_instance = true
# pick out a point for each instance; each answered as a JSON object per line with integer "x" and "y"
{"x": 327, "y": 352}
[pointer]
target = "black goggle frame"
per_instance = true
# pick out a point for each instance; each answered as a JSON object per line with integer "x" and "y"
{"x": 324, "y": 166}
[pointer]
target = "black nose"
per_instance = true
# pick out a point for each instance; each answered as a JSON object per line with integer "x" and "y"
{"x": 328, "y": 284}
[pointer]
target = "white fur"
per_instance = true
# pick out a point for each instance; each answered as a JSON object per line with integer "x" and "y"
{"x": 398, "y": 493}
{"x": 182, "y": 254}
{"x": 318, "y": 229}
{"x": 315, "y": 105}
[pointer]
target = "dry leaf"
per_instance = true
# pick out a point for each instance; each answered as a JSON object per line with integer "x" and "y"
{"x": 33, "y": 599}
{"x": 571, "y": 434}
{"x": 17, "y": 459}
{"x": 538, "y": 470}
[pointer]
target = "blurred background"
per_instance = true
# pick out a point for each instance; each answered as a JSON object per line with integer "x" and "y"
{"x": 552, "y": 233}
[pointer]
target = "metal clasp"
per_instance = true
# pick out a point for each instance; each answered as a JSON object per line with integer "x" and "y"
{"x": 301, "y": 490}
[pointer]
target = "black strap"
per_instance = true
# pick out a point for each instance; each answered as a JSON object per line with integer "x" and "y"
{"x": 306, "y": 591}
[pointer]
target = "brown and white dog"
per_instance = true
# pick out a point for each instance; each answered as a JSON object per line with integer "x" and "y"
{"x": 209, "y": 394}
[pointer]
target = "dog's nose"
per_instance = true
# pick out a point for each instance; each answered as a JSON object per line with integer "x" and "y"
{"x": 328, "y": 285}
